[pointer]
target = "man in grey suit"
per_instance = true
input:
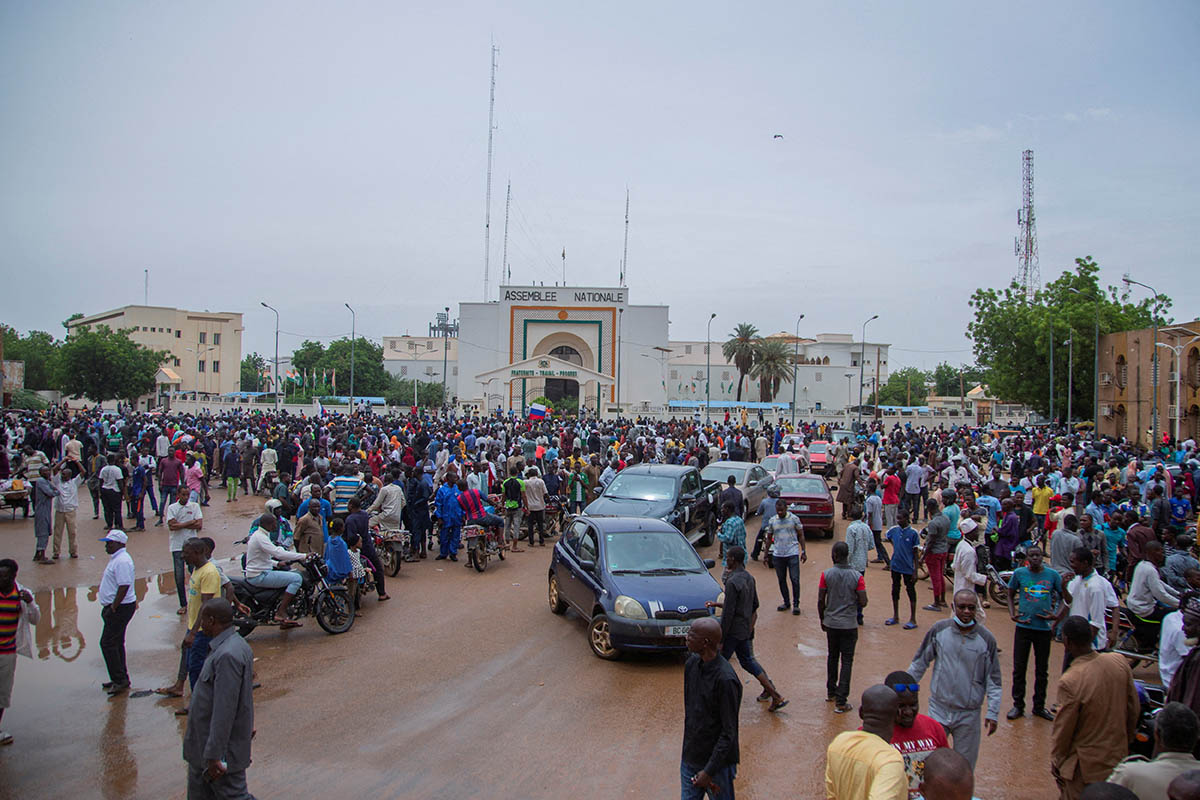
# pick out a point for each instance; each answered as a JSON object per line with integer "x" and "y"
{"x": 221, "y": 723}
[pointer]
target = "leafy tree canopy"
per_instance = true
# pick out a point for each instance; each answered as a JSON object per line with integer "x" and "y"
{"x": 252, "y": 369}
{"x": 103, "y": 364}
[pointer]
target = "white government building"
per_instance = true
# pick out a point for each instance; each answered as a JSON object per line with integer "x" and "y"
{"x": 591, "y": 343}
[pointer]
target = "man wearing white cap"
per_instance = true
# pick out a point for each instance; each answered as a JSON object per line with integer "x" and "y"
{"x": 966, "y": 574}
{"x": 117, "y": 603}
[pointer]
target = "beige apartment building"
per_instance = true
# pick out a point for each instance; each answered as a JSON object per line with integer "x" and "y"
{"x": 205, "y": 347}
{"x": 1127, "y": 382}
{"x": 421, "y": 357}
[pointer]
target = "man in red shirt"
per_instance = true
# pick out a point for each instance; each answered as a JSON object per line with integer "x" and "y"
{"x": 891, "y": 497}
{"x": 914, "y": 735}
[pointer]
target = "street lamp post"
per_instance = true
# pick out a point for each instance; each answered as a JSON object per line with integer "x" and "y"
{"x": 708, "y": 370}
{"x": 353, "y": 337}
{"x": 1070, "y": 374}
{"x": 1095, "y": 368}
{"x": 620, "y": 318}
{"x": 445, "y": 354}
{"x": 862, "y": 360}
{"x": 1177, "y": 351}
{"x": 1154, "y": 359}
{"x": 275, "y": 386}
{"x": 795, "y": 361}
{"x": 849, "y": 398}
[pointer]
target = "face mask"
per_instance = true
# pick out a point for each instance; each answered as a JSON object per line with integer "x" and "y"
{"x": 962, "y": 624}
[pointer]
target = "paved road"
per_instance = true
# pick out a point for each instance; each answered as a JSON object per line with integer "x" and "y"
{"x": 462, "y": 685}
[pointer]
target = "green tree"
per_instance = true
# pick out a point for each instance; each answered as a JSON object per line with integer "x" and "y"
{"x": 741, "y": 349}
{"x": 429, "y": 395}
{"x": 39, "y": 351}
{"x": 102, "y": 364}
{"x": 308, "y": 355}
{"x": 1012, "y": 337}
{"x": 904, "y": 387}
{"x": 252, "y": 370}
{"x": 370, "y": 377}
{"x": 772, "y": 366}
{"x": 945, "y": 378}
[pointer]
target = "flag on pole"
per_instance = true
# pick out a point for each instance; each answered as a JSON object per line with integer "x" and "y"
{"x": 333, "y": 381}
{"x": 537, "y": 411}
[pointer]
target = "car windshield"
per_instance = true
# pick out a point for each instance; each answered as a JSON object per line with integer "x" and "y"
{"x": 650, "y": 551}
{"x": 770, "y": 463}
{"x": 801, "y": 485}
{"x": 641, "y": 487}
{"x": 716, "y": 472}
{"x": 817, "y": 447}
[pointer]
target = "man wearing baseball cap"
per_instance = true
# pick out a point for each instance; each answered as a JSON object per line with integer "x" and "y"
{"x": 117, "y": 603}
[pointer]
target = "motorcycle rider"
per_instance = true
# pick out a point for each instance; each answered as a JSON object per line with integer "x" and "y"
{"x": 261, "y": 553}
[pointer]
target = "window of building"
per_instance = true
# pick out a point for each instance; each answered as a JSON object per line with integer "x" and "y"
{"x": 725, "y": 375}
{"x": 429, "y": 345}
{"x": 429, "y": 370}
{"x": 392, "y": 345}
{"x": 216, "y": 339}
{"x": 404, "y": 370}
{"x": 699, "y": 374}
{"x": 705, "y": 349}
{"x": 216, "y": 366}
{"x": 853, "y": 361}
{"x": 168, "y": 330}
{"x": 177, "y": 333}
{"x": 177, "y": 362}
{"x": 818, "y": 378}
{"x": 412, "y": 345}
{"x": 674, "y": 374}
{"x": 455, "y": 371}
{"x": 201, "y": 367}
{"x": 202, "y": 337}
{"x": 687, "y": 349}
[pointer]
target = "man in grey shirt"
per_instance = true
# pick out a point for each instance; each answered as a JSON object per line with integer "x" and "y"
{"x": 937, "y": 550}
{"x": 841, "y": 593}
{"x": 874, "y": 518}
{"x": 220, "y": 725}
{"x": 1065, "y": 540}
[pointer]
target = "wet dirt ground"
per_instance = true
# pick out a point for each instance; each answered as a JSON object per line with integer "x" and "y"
{"x": 463, "y": 685}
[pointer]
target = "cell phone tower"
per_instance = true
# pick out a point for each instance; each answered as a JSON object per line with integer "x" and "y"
{"x": 1025, "y": 246}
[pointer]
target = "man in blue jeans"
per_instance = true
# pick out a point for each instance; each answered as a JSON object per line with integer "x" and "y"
{"x": 712, "y": 695}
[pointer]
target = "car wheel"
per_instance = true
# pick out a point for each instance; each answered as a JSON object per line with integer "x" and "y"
{"x": 557, "y": 604}
{"x": 600, "y": 639}
{"x": 829, "y": 532}
{"x": 710, "y": 530}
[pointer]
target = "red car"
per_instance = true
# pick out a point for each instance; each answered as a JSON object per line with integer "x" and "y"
{"x": 820, "y": 459}
{"x": 808, "y": 497}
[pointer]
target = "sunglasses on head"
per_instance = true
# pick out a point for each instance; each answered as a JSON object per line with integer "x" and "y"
{"x": 906, "y": 687}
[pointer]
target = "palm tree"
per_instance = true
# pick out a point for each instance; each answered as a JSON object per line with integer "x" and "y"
{"x": 740, "y": 349}
{"x": 772, "y": 366}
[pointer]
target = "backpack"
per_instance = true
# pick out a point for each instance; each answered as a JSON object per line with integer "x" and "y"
{"x": 512, "y": 490}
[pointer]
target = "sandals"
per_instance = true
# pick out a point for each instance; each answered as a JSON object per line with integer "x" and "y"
{"x": 285, "y": 624}
{"x": 891, "y": 621}
{"x": 778, "y": 705}
{"x": 167, "y": 691}
{"x": 908, "y": 626}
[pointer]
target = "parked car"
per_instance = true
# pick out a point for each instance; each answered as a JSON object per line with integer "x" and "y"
{"x": 751, "y": 479}
{"x": 820, "y": 458}
{"x": 637, "y": 582}
{"x": 669, "y": 492}
{"x": 809, "y": 498}
{"x": 782, "y": 464}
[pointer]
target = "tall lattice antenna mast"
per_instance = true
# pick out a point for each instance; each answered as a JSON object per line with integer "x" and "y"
{"x": 505, "y": 270}
{"x": 487, "y": 214}
{"x": 1025, "y": 246}
{"x": 625, "y": 252}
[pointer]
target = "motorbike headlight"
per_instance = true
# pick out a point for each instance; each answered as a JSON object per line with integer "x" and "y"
{"x": 720, "y": 599}
{"x": 629, "y": 608}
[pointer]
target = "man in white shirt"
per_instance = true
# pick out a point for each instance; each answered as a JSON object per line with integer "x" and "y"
{"x": 1149, "y": 598}
{"x": 535, "y": 503}
{"x": 66, "y": 478}
{"x": 965, "y": 575}
{"x": 1090, "y": 595}
{"x": 1177, "y": 631}
{"x": 117, "y": 604}
{"x": 261, "y": 555}
{"x": 185, "y": 519}
{"x": 162, "y": 445}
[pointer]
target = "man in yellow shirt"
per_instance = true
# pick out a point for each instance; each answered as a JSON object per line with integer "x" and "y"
{"x": 1041, "y": 501}
{"x": 205, "y": 585}
{"x": 863, "y": 765}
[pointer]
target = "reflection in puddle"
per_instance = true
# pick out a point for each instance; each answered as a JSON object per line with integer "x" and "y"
{"x": 58, "y": 631}
{"x": 118, "y": 767}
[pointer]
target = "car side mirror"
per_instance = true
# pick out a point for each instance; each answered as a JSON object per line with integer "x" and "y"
{"x": 709, "y": 563}
{"x": 588, "y": 566}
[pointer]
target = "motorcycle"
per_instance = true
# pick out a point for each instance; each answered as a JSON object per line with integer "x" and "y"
{"x": 1152, "y": 698}
{"x": 997, "y": 584}
{"x": 481, "y": 544}
{"x": 267, "y": 483}
{"x": 393, "y": 545}
{"x": 1129, "y": 644}
{"x": 329, "y": 603}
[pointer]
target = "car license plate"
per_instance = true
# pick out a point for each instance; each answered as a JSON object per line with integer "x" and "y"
{"x": 677, "y": 630}
{"x": 803, "y": 507}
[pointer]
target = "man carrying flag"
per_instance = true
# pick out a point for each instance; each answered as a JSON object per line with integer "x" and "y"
{"x": 537, "y": 411}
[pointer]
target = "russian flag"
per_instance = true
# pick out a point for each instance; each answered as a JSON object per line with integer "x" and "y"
{"x": 537, "y": 411}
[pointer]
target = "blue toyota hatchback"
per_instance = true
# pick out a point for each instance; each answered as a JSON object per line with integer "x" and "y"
{"x": 637, "y": 582}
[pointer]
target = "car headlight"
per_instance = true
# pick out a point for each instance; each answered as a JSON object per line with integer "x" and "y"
{"x": 629, "y": 608}
{"x": 720, "y": 599}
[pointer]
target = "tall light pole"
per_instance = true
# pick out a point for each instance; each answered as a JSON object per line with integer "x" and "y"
{"x": 1154, "y": 359}
{"x": 862, "y": 360}
{"x": 795, "y": 361}
{"x": 1177, "y": 350}
{"x": 445, "y": 354}
{"x": 1095, "y": 367}
{"x": 849, "y": 399}
{"x": 353, "y": 337}
{"x": 1070, "y": 374}
{"x": 1051, "y": 412}
{"x": 275, "y": 386}
{"x": 620, "y": 318}
{"x": 708, "y": 370}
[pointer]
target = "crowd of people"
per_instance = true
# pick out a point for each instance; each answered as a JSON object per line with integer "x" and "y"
{"x": 1113, "y": 519}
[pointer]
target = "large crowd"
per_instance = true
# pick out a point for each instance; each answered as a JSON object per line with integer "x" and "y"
{"x": 1111, "y": 518}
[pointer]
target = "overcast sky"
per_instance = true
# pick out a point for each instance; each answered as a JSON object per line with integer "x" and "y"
{"x": 310, "y": 154}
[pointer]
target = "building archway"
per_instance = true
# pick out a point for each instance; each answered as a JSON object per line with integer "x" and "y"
{"x": 1122, "y": 421}
{"x": 559, "y": 389}
{"x": 1193, "y": 421}
{"x": 574, "y": 349}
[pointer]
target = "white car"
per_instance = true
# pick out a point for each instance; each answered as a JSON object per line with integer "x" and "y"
{"x": 783, "y": 464}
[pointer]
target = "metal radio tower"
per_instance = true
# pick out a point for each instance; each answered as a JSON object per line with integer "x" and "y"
{"x": 487, "y": 214}
{"x": 1025, "y": 246}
